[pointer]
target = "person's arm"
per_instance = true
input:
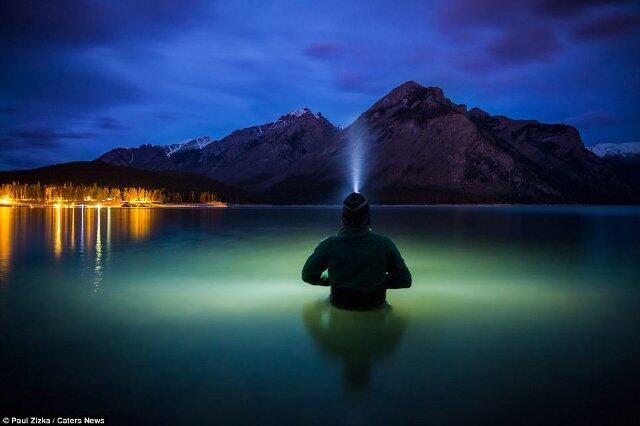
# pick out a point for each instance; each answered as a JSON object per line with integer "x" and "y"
{"x": 398, "y": 275}
{"x": 315, "y": 265}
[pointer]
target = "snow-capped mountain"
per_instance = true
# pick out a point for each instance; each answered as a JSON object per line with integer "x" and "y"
{"x": 255, "y": 156}
{"x": 299, "y": 113}
{"x": 173, "y": 148}
{"x": 623, "y": 158}
{"x": 614, "y": 149}
{"x": 154, "y": 157}
{"x": 190, "y": 144}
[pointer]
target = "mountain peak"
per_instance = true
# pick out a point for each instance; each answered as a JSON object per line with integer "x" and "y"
{"x": 411, "y": 90}
{"x": 299, "y": 113}
{"x": 412, "y": 96}
{"x": 407, "y": 86}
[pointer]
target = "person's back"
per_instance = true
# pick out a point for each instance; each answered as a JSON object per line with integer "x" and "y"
{"x": 360, "y": 264}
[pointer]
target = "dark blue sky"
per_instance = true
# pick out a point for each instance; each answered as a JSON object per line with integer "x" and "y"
{"x": 78, "y": 78}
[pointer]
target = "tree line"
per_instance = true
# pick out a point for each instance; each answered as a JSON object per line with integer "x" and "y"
{"x": 70, "y": 192}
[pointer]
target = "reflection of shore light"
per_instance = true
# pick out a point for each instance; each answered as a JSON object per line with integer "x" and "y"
{"x": 57, "y": 242}
{"x": 97, "y": 278}
{"x": 108, "y": 229}
{"x": 82, "y": 230}
{"x": 140, "y": 223}
{"x": 73, "y": 228}
{"x": 6, "y": 224}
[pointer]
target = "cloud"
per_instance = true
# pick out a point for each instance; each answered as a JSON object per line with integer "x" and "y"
{"x": 81, "y": 22}
{"x": 480, "y": 13}
{"x": 165, "y": 116}
{"x": 354, "y": 82}
{"x": 33, "y": 147}
{"x": 324, "y": 50}
{"x": 509, "y": 32}
{"x": 9, "y": 109}
{"x": 572, "y": 8}
{"x": 525, "y": 45}
{"x": 529, "y": 31}
{"x": 63, "y": 78}
{"x": 109, "y": 123}
{"x": 17, "y": 160}
{"x": 41, "y": 137}
{"x": 608, "y": 27}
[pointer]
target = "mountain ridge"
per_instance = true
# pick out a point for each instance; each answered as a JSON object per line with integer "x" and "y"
{"x": 420, "y": 147}
{"x": 625, "y": 149}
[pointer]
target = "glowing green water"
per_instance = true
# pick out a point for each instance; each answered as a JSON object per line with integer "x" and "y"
{"x": 517, "y": 315}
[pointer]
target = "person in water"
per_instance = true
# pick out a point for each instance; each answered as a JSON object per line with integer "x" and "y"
{"x": 357, "y": 264}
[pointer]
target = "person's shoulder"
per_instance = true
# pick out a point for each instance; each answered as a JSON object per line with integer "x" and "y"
{"x": 381, "y": 238}
{"x": 327, "y": 241}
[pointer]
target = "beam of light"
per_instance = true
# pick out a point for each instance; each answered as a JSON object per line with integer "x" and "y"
{"x": 355, "y": 153}
{"x": 356, "y": 139}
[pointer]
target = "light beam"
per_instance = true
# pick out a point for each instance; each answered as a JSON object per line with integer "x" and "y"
{"x": 356, "y": 153}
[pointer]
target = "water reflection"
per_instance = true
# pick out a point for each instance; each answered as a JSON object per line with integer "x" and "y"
{"x": 66, "y": 231}
{"x": 215, "y": 297}
{"x": 89, "y": 228}
{"x": 6, "y": 232}
{"x": 57, "y": 235}
{"x": 108, "y": 229}
{"x": 72, "y": 243}
{"x": 358, "y": 339}
{"x": 81, "y": 230}
{"x": 97, "y": 277}
{"x": 139, "y": 220}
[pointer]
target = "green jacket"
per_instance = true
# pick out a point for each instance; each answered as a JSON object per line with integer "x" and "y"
{"x": 359, "y": 262}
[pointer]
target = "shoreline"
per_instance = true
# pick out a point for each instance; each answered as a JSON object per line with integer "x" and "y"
{"x": 216, "y": 205}
{"x": 221, "y": 205}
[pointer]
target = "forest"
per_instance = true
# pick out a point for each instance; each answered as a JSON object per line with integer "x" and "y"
{"x": 69, "y": 192}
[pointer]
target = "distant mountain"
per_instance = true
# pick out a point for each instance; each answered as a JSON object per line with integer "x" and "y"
{"x": 104, "y": 174}
{"x": 260, "y": 156}
{"x": 255, "y": 157}
{"x": 626, "y": 149}
{"x": 154, "y": 157}
{"x": 624, "y": 158}
{"x": 418, "y": 147}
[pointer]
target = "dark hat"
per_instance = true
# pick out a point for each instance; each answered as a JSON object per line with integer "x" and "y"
{"x": 355, "y": 211}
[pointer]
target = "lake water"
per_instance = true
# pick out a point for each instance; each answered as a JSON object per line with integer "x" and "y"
{"x": 519, "y": 315}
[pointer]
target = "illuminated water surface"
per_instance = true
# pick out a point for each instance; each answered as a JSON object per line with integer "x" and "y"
{"x": 517, "y": 315}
